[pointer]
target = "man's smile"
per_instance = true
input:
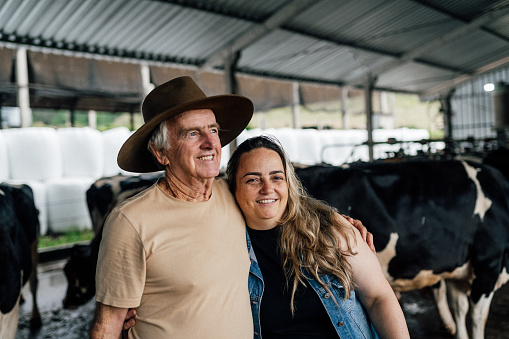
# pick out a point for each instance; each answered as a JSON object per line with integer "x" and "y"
{"x": 208, "y": 157}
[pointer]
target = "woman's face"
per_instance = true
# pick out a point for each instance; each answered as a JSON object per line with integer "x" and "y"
{"x": 262, "y": 191}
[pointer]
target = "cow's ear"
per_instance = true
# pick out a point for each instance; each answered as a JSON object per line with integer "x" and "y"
{"x": 160, "y": 155}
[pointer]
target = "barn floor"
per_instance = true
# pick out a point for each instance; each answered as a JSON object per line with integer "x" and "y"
{"x": 418, "y": 306}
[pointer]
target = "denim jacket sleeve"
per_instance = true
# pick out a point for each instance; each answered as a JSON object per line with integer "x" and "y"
{"x": 348, "y": 316}
{"x": 255, "y": 288}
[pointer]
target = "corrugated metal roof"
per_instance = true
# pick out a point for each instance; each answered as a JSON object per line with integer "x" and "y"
{"x": 418, "y": 46}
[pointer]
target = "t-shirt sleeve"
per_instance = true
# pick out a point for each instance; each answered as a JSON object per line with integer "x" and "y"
{"x": 121, "y": 269}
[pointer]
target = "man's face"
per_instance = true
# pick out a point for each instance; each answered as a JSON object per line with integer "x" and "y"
{"x": 195, "y": 148}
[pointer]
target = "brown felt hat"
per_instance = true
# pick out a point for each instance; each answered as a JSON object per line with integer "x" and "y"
{"x": 233, "y": 113}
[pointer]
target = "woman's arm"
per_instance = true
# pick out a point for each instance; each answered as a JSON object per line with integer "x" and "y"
{"x": 375, "y": 293}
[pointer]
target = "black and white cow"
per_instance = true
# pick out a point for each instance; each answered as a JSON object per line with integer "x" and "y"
{"x": 19, "y": 229}
{"x": 431, "y": 221}
{"x": 499, "y": 159}
{"x": 102, "y": 196}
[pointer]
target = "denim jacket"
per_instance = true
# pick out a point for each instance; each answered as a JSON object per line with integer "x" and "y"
{"x": 348, "y": 316}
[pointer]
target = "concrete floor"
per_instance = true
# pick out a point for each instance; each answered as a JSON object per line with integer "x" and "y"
{"x": 57, "y": 322}
{"x": 419, "y": 308}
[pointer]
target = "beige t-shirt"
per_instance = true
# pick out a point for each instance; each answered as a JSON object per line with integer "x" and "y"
{"x": 183, "y": 265}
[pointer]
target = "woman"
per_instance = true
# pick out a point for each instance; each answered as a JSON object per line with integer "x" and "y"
{"x": 311, "y": 267}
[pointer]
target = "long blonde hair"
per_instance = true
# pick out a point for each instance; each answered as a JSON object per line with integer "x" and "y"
{"x": 309, "y": 238}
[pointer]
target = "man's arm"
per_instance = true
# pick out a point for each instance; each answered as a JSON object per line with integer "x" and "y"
{"x": 108, "y": 322}
{"x": 366, "y": 236}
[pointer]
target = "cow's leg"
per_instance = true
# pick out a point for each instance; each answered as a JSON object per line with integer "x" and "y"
{"x": 35, "y": 322}
{"x": 9, "y": 322}
{"x": 480, "y": 312}
{"x": 459, "y": 303}
{"x": 440, "y": 294}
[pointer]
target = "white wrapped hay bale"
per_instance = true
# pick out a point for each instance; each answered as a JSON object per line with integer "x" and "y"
{"x": 33, "y": 153}
{"x": 4, "y": 164}
{"x": 288, "y": 139}
{"x": 82, "y": 152}
{"x": 112, "y": 141}
{"x": 309, "y": 146}
{"x": 341, "y": 146}
{"x": 225, "y": 156}
{"x": 67, "y": 205}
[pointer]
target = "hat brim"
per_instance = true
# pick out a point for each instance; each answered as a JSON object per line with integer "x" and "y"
{"x": 233, "y": 113}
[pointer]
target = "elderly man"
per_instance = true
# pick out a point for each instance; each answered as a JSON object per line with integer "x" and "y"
{"x": 177, "y": 251}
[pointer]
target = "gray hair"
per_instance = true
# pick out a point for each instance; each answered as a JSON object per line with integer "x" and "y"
{"x": 159, "y": 138}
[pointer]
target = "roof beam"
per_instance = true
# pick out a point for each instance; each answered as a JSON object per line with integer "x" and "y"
{"x": 446, "y": 38}
{"x": 279, "y": 18}
{"x": 448, "y": 85}
{"x": 494, "y": 7}
{"x": 355, "y": 45}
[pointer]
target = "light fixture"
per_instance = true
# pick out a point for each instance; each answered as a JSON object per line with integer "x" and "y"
{"x": 489, "y": 87}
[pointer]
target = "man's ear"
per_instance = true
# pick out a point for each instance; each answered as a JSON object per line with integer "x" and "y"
{"x": 159, "y": 155}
